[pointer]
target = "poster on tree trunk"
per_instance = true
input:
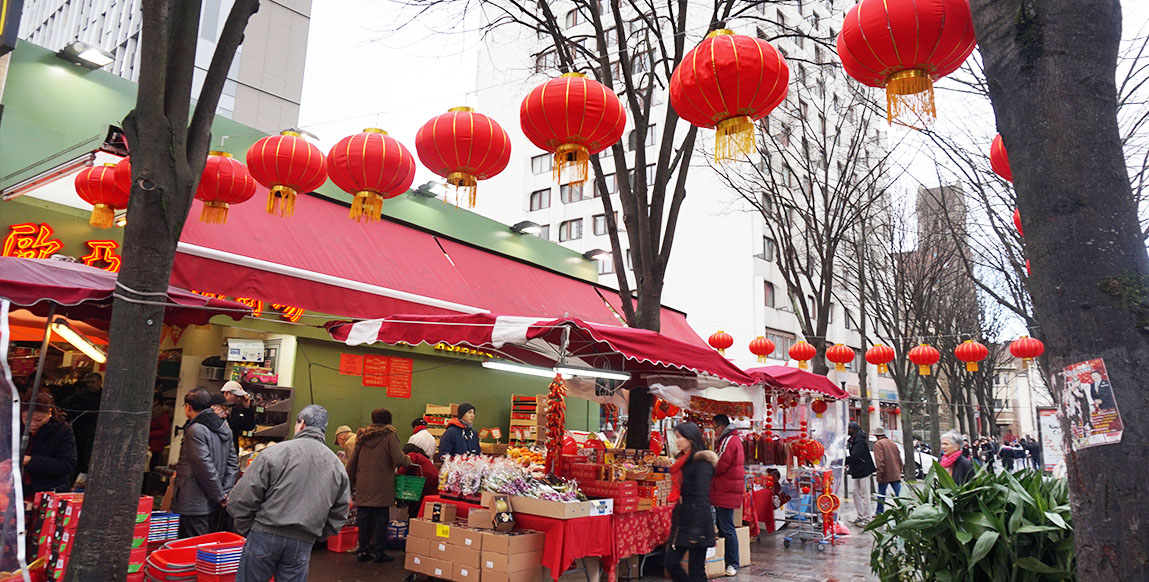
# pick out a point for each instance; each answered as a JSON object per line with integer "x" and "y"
{"x": 1088, "y": 403}
{"x": 1052, "y": 447}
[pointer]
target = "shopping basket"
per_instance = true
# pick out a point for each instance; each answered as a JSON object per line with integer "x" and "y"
{"x": 409, "y": 487}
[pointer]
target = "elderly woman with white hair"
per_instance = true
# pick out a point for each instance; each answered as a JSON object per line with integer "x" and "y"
{"x": 958, "y": 466}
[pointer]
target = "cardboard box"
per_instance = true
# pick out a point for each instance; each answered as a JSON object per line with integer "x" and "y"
{"x": 429, "y": 566}
{"x": 420, "y": 546}
{"x": 600, "y": 507}
{"x": 517, "y": 542}
{"x": 502, "y": 512}
{"x": 480, "y": 519}
{"x": 743, "y": 546}
{"x": 738, "y": 517}
{"x": 421, "y": 528}
{"x": 523, "y": 576}
{"x": 496, "y": 562}
{"x": 414, "y": 562}
{"x": 441, "y": 512}
{"x": 465, "y": 556}
{"x": 466, "y": 573}
{"x": 466, "y": 537}
{"x": 443, "y": 550}
{"x": 555, "y": 509}
{"x": 715, "y": 560}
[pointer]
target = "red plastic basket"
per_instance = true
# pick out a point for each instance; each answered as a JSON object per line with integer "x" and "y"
{"x": 213, "y": 538}
{"x": 346, "y": 541}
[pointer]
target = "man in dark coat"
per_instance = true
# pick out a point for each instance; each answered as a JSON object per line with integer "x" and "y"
{"x": 888, "y": 466}
{"x": 728, "y": 487}
{"x": 83, "y": 410}
{"x": 372, "y": 473}
{"x": 207, "y": 467}
{"x": 860, "y": 465}
{"x": 460, "y": 437}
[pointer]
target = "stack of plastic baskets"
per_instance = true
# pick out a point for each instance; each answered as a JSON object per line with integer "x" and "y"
{"x": 218, "y": 562}
{"x": 177, "y": 560}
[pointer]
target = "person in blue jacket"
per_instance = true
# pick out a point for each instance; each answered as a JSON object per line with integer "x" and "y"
{"x": 460, "y": 437}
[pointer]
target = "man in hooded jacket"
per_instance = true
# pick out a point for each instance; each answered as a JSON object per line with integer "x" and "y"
{"x": 728, "y": 487}
{"x": 207, "y": 467}
{"x": 372, "y": 473}
{"x": 460, "y": 437}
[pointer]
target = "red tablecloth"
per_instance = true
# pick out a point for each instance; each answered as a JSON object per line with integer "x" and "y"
{"x": 764, "y": 508}
{"x": 638, "y": 532}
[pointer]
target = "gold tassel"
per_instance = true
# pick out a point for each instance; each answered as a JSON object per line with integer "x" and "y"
{"x": 103, "y": 216}
{"x": 839, "y": 367}
{"x": 733, "y": 138}
{"x": 1025, "y": 363}
{"x": 761, "y": 359}
{"x": 923, "y": 370}
{"x": 367, "y": 206}
{"x": 971, "y": 366}
{"x": 882, "y": 368}
{"x": 801, "y": 364}
{"x": 465, "y": 184}
{"x": 281, "y": 200}
{"x": 910, "y": 99}
{"x": 214, "y": 212}
{"x": 571, "y": 161}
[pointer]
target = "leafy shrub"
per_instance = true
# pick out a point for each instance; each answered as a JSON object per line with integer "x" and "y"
{"x": 1004, "y": 527}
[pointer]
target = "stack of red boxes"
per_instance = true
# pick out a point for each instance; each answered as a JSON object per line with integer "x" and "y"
{"x": 58, "y": 518}
{"x": 624, "y": 493}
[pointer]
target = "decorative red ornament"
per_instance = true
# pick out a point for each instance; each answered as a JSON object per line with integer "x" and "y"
{"x": 898, "y": 410}
{"x": 286, "y": 164}
{"x": 841, "y": 355}
{"x": 124, "y": 174}
{"x": 1017, "y": 221}
{"x": 971, "y": 353}
{"x": 720, "y": 340}
{"x": 924, "y": 356}
{"x": 904, "y": 46}
{"x": 880, "y": 355}
{"x": 761, "y": 347}
{"x": 805, "y": 489}
{"x": 573, "y": 117}
{"x": 999, "y": 161}
{"x": 97, "y": 186}
{"x": 818, "y": 406}
{"x": 463, "y": 147}
{"x": 869, "y": 408}
{"x": 726, "y": 83}
{"x": 224, "y": 181}
{"x": 803, "y": 352}
{"x": 373, "y": 166}
{"x": 814, "y": 451}
{"x": 1026, "y": 348}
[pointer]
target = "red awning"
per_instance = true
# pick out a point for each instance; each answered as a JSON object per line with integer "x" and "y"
{"x": 797, "y": 380}
{"x": 85, "y": 293}
{"x": 541, "y": 342}
{"x": 322, "y": 261}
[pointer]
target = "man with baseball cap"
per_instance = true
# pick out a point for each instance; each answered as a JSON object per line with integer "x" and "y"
{"x": 242, "y": 416}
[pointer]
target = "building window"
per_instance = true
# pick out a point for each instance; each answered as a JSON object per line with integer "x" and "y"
{"x": 605, "y": 265}
{"x": 542, "y": 164}
{"x": 651, "y": 136}
{"x": 600, "y": 224}
{"x": 570, "y": 193}
{"x": 545, "y": 61}
{"x": 573, "y": 18}
{"x": 782, "y": 342}
{"x": 768, "y": 248}
{"x": 570, "y": 230}
{"x": 850, "y": 325}
{"x": 545, "y": 232}
{"x": 611, "y": 186}
{"x": 629, "y": 260}
{"x": 769, "y": 288}
{"x": 541, "y": 199}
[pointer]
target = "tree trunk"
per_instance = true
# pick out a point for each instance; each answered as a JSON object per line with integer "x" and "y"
{"x": 1051, "y": 70}
{"x": 931, "y": 386}
{"x": 863, "y": 370}
{"x": 909, "y": 472}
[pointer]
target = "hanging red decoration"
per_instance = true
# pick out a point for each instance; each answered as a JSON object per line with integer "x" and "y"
{"x": 224, "y": 181}
{"x": 999, "y": 161}
{"x": 819, "y": 406}
{"x": 869, "y": 408}
{"x": 803, "y": 352}
{"x": 463, "y": 147}
{"x": 1026, "y": 348}
{"x": 904, "y": 46}
{"x": 373, "y": 167}
{"x": 971, "y": 353}
{"x": 1017, "y": 221}
{"x": 124, "y": 174}
{"x": 898, "y": 410}
{"x": 574, "y": 117}
{"x": 880, "y": 356}
{"x": 286, "y": 164}
{"x": 720, "y": 340}
{"x": 726, "y": 83}
{"x": 841, "y": 355}
{"x": 97, "y": 186}
{"x": 556, "y": 421}
{"x": 761, "y": 347}
{"x": 924, "y": 356}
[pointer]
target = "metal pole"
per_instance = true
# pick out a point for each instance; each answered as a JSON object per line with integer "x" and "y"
{"x": 39, "y": 375}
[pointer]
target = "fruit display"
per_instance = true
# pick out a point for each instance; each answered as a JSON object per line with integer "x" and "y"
{"x": 531, "y": 459}
{"x": 468, "y": 475}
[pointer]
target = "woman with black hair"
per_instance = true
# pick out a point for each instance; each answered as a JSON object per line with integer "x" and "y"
{"x": 51, "y": 454}
{"x": 692, "y": 520}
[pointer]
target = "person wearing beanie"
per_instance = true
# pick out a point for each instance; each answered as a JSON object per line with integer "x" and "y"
{"x": 422, "y": 438}
{"x": 460, "y": 437}
{"x": 372, "y": 471}
{"x": 345, "y": 440}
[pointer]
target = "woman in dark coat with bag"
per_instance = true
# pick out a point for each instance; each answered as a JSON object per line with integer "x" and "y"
{"x": 50, "y": 457}
{"x": 692, "y": 520}
{"x": 372, "y": 473}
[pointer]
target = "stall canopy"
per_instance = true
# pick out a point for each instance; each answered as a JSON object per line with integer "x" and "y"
{"x": 542, "y": 342}
{"x": 797, "y": 380}
{"x": 85, "y": 293}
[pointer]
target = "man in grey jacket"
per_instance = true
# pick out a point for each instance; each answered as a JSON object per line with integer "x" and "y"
{"x": 293, "y": 494}
{"x": 207, "y": 467}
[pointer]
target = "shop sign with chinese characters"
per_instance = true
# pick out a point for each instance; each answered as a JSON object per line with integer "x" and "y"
{"x": 258, "y": 306}
{"x": 31, "y": 240}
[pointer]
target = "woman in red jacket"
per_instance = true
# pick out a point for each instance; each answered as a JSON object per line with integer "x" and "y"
{"x": 728, "y": 488}
{"x": 426, "y": 470}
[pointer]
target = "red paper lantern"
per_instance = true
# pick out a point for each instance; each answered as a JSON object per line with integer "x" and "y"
{"x": 1026, "y": 348}
{"x": 97, "y": 186}
{"x": 814, "y": 451}
{"x": 573, "y": 117}
{"x": 286, "y": 164}
{"x": 904, "y": 46}
{"x": 463, "y": 147}
{"x": 373, "y": 166}
{"x": 999, "y": 160}
{"x": 971, "y": 353}
{"x": 1017, "y": 221}
{"x": 720, "y": 340}
{"x": 224, "y": 181}
{"x": 726, "y": 83}
{"x": 898, "y": 410}
{"x": 841, "y": 355}
{"x": 870, "y": 408}
{"x": 761, "y": 347}
{"x": 880, "y": 355}
{"x": 124, "y": 174}
{"x": 803, "y": 352}
{"x": 818, "y": 406}
{"x": 924, "y": 356}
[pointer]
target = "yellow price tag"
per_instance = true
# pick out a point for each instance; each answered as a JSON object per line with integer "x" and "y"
{"x": 443, "y": 531}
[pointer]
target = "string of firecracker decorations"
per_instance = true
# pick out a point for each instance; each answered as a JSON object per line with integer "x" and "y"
{"x": 556, "y": 421}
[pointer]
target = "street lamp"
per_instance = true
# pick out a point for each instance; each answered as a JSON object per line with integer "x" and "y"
{"x": 596, "y": 255}
{"x": 527, "y": 227}
{"x": 86, "y": 55}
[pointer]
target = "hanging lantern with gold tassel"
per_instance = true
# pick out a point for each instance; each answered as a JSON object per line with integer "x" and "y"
{"x": 463, "y": 147}
{"x": 574, "y": 117}
{"x": 98, "y": 186}
{"x": 287, "y": 165}
{"x": 373, "y": 167}
{"x": 224, "y": 181}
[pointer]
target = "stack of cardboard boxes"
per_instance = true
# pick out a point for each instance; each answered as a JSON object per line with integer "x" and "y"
{"x": 455, "y": 551}
{"x": 56, "y": 520}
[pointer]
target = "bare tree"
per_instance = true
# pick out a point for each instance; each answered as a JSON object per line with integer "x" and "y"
{"x": 168, "y": 155}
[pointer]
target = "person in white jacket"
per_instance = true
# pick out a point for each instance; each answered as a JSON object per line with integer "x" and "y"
{"x": 422, "y": 438}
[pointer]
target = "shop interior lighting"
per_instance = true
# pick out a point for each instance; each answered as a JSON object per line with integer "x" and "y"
{"x": 596, "y": 255}
{"x": 527, "y": 227}
{"x": 591, "y": 372}
{"x": 519, "y": 369}
{"x": 62, "y": 328}
{"x": 86, "y": 55}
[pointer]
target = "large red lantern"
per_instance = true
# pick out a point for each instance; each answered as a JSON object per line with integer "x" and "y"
{"x": 998, "y": 160}
{"x": 924, "y": 356}
{"x": 819, "y": 406}
{"x": 224, "y": 181}
{"x": 803, "y": 352}
{"x": 971, "y": 353}
{"x": 463, "y": 147}
{"x": 124, "y": 174}
{"x": 720, "y": 340}
{"x": 841, "y": 355}
{"x": 286, "y": 164}
{"x": 726, "y": 83}
{"x": 904, "y": 46}
{"x": 372, "y": 166}
{"x": 880, "y": 355}
{"x": 1017, "y": 221}
{"x": 573, "y": 117}
{"x": 1026, "y": 348}
{"x": 97, "y": 186}
{"x": 761, "y": 347}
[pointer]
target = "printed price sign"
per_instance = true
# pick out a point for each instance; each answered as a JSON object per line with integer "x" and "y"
{"x": 351, "y": 364}
{"x": 376, "y": 371}
{"x": 399, "y": 381}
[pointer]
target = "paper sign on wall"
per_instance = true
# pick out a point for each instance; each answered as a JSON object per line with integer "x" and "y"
{"x": 399, "y": 382}
{"x": 351, "y": 364}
